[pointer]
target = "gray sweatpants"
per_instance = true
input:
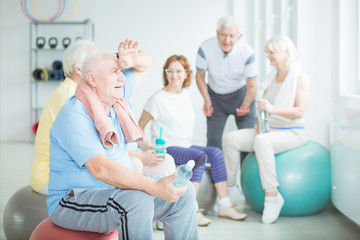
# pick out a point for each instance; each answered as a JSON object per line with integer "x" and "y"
{"x": 225, "y": 105}
{"x": 131, "y": 212}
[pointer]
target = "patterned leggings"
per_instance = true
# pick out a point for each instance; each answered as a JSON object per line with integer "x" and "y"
{"x": 213, "y": 155}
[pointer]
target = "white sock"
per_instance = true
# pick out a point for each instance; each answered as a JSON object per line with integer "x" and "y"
{"x": 197, "y": 206}
{"x": 271, "y": 190}
{"x": 271, "y": 199}
{"x": 224, "y": 202}
{"x": 232, "y": 188}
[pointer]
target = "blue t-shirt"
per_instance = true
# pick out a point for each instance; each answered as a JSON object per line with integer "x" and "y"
{"x": 74, "y": 140}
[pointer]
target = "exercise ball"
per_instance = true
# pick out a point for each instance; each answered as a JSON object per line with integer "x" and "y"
{"x": 304, "y": 177}
{"x": 207, "y": 194}
{"x": 35, "y": 127}
{"x": 47, "y": 230}
{"x": 23, "y": 212}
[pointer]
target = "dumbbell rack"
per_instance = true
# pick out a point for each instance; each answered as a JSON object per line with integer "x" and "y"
{"x": 43, "y": 57}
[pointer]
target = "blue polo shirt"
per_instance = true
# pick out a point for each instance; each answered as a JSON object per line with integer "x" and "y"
{"x": 74, "y": 140}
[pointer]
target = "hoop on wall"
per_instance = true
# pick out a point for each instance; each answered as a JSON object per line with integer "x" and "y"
{"x": 25, "y": 11}
{"x": 72, "y": 13}
{"x": 59, "y": 12}
{"x": 42, "y": 18}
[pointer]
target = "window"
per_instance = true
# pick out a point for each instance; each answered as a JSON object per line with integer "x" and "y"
{"x": 347, "y": 40}
{"x": 264, "y": 19}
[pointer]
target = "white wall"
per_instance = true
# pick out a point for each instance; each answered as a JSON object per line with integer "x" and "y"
{"x": 163, "y": 28}
{"x": 315, "y": 54}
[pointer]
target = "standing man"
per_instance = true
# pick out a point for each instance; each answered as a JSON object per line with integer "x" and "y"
{"x": 231, "y": 88}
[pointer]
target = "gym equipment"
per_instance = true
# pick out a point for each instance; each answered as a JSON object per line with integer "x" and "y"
{"x": 66, "y": 42}
{"x": 55, "y": 75}
{"x": 58, "y": 13}
{"x": 72, "y": 13}
{"x": 41, "y": 74}
{"x": 23, "y": 212}
{"x": 40, "y": 42}
{"x": 57, "y": 65}
{"x": 35, "y": 127}
{"x": 42, "y": 18}
{"x": 48, "y": 230}
{"x": 207, "y": 194}
{"x": 53, "y": 42}
{"x": 304, "y": 177}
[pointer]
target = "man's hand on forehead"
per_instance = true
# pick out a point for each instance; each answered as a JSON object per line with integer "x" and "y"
{"x": 128, "y": 53}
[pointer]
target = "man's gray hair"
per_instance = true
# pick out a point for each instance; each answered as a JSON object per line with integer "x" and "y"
{"x": 229, "y": 21}
{"x": 75, "y": 54}
{"x": 282, "y": 43}
{"x": 90, "y": 64}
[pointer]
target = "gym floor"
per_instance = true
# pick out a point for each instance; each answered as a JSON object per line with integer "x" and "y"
{"x": 15, "y": 164}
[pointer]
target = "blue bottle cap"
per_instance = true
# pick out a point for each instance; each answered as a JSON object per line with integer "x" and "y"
{"x": 160, "y": 141}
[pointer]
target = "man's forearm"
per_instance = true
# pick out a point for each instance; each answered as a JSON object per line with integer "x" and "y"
{"x": 112, "y": 173}
{"x": 143, "y": 63}
{"x": 200, "y": 82}
{"x": 251, "y": 90}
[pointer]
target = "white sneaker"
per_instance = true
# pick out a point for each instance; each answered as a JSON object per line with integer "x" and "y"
{"x": 235, "y": 194}
{"x": 272, "y": 209}
{"x": 201, "y": 219}
{"x": 159, "y": 225}
{"x": 231, "y": 213}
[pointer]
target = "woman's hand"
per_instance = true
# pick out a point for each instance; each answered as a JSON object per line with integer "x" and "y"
{"x": 151, "y": 158}
{"x": 263, "y": 104}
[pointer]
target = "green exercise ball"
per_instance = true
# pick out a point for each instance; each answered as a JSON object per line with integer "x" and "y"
{"x": 304, "y": 178}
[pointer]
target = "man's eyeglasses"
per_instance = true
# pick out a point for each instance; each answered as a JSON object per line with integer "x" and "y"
{"x": 171, "y": 72}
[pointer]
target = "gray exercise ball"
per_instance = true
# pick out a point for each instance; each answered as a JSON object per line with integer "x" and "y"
{"x": 23, "y": 212}
{"x": 207, "y": 193}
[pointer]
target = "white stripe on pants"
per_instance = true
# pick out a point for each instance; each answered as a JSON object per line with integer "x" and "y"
{"x": 265, "y": 147}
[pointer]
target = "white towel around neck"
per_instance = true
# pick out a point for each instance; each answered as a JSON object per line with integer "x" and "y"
{"x": 286, "y": 95}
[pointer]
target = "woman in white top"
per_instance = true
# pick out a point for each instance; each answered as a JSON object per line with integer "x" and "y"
{"x": 286, "y": 93}
{"x": 171, "y": 108}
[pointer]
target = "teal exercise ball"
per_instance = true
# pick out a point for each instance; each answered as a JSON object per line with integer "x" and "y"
{"x": 304, "y": 177}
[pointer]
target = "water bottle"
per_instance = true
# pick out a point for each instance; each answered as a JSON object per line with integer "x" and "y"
{"x": 184, "y": 173}
{"x": 263, "y": 121}
{"x": 160, "y": 146}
